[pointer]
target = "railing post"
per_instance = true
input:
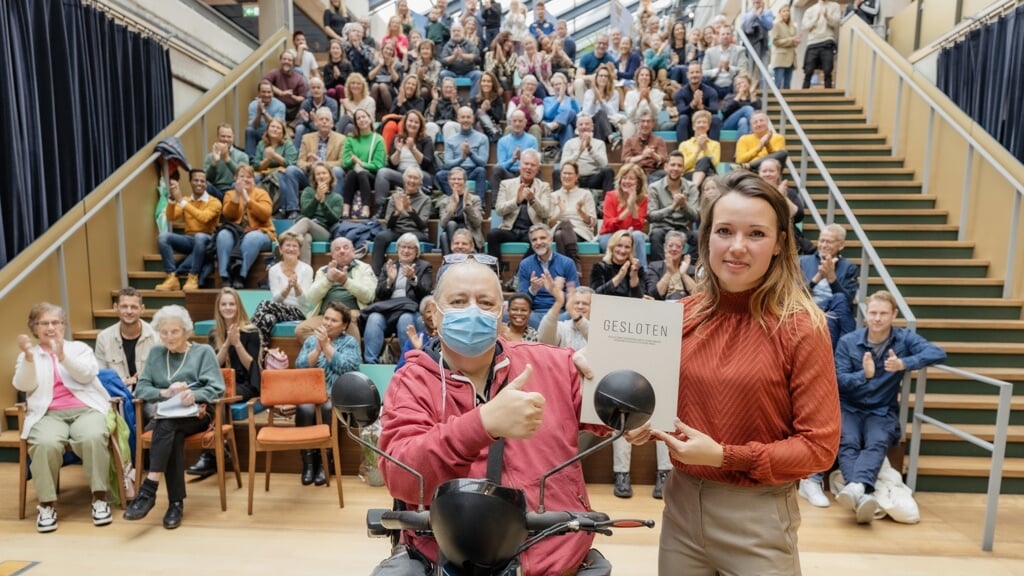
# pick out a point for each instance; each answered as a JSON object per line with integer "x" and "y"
{"x": 849, "y": 64}
{"x": 803, "y": 164}
{"x": 862, "y": 286}
{"x": 1011, "y": 250}
{"x": 915, "y": 429}
{"x": 871, "y": 88}
{"x": 234, "y": 104}
{"x": 65, "y": 303}
{"x": 122, "y": 256}
{"x": 926, "y": 177}
{"x": 782, "y": 122}
{"x": 896, "y": 118}
{"x": 202, "y": 128}
{"x": 995, "y": 477}
{"x": 965, "y": 193}
{"x": 830, "y": 210}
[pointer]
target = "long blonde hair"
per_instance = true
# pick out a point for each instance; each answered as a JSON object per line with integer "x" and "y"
{"x": 782, "y": 293}
{"x": 220, "y": 328}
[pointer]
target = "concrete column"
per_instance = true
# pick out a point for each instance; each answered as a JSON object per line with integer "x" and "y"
{"x": 273, "y": 15}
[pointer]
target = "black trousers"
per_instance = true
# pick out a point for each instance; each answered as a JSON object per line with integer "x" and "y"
{"x": 358, "y": 181}
{"x": 167, "y": 450}
{"x": 819, "y": 57}
{"x": 781, "y": 156}
{"x": 496, "y": 237}
{"x": 305, "y": 414}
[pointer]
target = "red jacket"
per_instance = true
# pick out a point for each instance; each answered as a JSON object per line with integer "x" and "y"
{"x": 612, "y": 223}
{"x": 449, "y": 441}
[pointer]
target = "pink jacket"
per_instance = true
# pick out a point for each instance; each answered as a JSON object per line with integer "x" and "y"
{"x": 449, "y": 441}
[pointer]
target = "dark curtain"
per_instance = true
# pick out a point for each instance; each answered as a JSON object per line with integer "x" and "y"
{"x": 984, "y": 75}
{"x": 84, "y": 94}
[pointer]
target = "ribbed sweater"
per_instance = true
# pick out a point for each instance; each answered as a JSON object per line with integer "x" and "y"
{"x": 768, "y": 395}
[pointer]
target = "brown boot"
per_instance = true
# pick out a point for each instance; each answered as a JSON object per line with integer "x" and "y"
{"x": 169, "y": 284}
{"x": 191, "y": 283}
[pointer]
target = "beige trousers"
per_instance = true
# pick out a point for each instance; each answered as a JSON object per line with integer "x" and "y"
{"x": 85, "y": 430}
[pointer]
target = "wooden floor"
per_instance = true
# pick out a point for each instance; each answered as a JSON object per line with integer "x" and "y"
{"x": 297, "y": 529}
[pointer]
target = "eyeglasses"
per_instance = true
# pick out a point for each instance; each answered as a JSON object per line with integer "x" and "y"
{"x": 48, "y": 323}
{"x": 458, "y": 257}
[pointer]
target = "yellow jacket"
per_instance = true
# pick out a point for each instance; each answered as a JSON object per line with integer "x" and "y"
{"x": 200, "y": 215}
{"x": 748, "y": 144}
{"x": 691, "y": 152}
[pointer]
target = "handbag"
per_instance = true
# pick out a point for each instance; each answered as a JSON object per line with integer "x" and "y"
{"x": 276, "y": 359}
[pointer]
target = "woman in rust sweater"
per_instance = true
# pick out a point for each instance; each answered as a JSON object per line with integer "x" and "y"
{"x": 758, "y": 400}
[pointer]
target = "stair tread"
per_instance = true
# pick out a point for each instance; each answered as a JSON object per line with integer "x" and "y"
{"x": 898, "y": 227}
{"x": 823, "y": 197}
{"x": 988, "y": 347}
{"x": 935, "y": 262}
{"x": 927, "y": 281}
{"x": 897, "y": 211}
{"x": 966, "y": 323}
{"x": 810, "y": 117}
{"x": 854, "y": 243}
{"x": 794, "y": 147}
{"x": 932, "y": 301}
{"x": 983, "y": 431}
{"x": 812, "y": 169}
{"x": 930, "y": 465}
{"x": 90, "y": 334}
{"x": 967, "y": 401}
{"x": 865, "y": 183}
{"x": 145, "y": 274}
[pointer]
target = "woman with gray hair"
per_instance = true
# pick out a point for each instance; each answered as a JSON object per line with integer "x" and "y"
{"x": 181, "y": 373}
{"x": 671, "y": 278}
{"x": 65, "y": 403}
{"x": 400, "y": 288}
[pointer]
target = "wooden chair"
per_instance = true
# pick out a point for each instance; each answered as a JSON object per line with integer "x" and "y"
{"x": 23, "y": 459}
{"x": 295, "y": 386}
{"x": 223, "y": 428}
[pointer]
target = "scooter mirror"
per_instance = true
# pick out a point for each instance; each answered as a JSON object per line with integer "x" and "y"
{"x": 356, "y": 400}
{"x": 624, "y": 392}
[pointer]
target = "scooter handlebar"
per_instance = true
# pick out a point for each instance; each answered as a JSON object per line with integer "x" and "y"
{"x": 535, "y": 521}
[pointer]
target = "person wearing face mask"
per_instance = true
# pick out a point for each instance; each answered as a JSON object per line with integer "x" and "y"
{"x": 469, "y": 394}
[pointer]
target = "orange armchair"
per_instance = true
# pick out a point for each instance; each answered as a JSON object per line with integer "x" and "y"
{"x": 223, "y": 428}
{"x": 294, "y": 386}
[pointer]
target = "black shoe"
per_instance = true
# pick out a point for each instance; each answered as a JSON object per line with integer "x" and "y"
{"x": 319, "y": 477}
{"x": 659, "y": 484}
{"x": 205, "y": 466}
{"x": 140, "y": 506}
{"x": 307, "y": 467}
{"x": 237, "y": 283}
{"x": 279, "y": 215}
{"x": 172, "y": 519}
{"x": 623, "y": 487}
{"x": 292, "y": 215}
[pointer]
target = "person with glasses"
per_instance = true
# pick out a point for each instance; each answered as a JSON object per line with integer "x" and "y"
{"x": 462, "y": 251}
{"x": 65, "y": 403}
{"x": 521, "y": 203}
{"x": 407, "y": 213}
{"x": 462, "y": 211}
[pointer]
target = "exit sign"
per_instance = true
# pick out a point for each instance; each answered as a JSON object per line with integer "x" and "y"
{"x": 250, "y": 11}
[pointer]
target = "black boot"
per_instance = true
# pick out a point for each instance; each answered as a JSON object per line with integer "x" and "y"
{"x": 319, "y": 477}
{"x": 307, "y": 467}
{"x": 205, "y": 466}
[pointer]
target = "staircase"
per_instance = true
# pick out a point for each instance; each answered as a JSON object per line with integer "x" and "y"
{"x": 957, "y": 303}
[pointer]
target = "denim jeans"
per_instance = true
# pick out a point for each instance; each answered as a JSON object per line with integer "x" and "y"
{"x": 252, "y": 139}
{"x": 864, "y": 442}
{"x": 566, "y": 126}
{"x": 193, "y": 246}
{"x": 739, "y": 121}
{"x": 294, "y": 181}
{"x": 639, "y": 245}
{"x": 377, "y": 329}
{"x": 783, "y": 77}
{"x": 253, "y": 243}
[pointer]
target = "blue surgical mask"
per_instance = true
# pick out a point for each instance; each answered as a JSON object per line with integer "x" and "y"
{"x": 469, "y": 331}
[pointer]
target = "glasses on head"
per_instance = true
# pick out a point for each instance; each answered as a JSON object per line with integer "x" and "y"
{"x": 458, "y": 257}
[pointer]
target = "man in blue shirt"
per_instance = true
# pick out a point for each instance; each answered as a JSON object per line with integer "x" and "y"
{"x": 509, "y": 147}
{"x": 262, "y": 110}
{"x": 541, "y": 26}
{"x": 832, "y": 281}
{"x": 568, "y": 44}
{"x": 696, "y": 95}
{"x": 870, "y": 364}
{"x": 469, "y": 150}
{"x": 544, "y": 262}
{"x": 589, "y": 63}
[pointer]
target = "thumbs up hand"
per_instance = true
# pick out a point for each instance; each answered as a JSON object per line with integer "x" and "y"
{"x": 893, "y": 363}
{"x": 514, "y": 412}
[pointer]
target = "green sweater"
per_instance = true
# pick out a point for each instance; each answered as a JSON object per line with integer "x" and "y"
{"x": 326, "y": 213}
{"x": 222, "y": 174}
{"x": 286, "y": 149}
{"x": 197, "y": 366}
{"x": 368, "y": 147}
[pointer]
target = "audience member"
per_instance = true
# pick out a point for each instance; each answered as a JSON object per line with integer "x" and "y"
{"x": 502, "y": 61}
{"x": 65, "y": 402}
{"x": 681, "y": 52}
{"x": 325, "y": 145}
{"x": 458, "y": 58}
{"x": 589, "y": 64}
{"x": 671, "y": 278}
{"x": 201, "y": 213}
{"x": 625, "y": 209}
{"x": 540, "y": 26}
{"x": 411, "y": 148}
{"x": 462, "y": 211}
{"x": 222, "y": 162}
{"x": 289, "y": 280}
{"x": 673, "y": 205}
{"x": 356, "y": 98}
{"x": 400, "y": 288}
{"x": 629, "y": 62}
{"x": 785, "y": 38}
{"x": 519, "y": 310}
{"x": 336, "y": 352}
{"x": 264, "y": 108}
{"x": 657, "y": 57}
{"x": 510, "y": 146}
{"x": 407, "y": 213}
{"x": 442, "y": 114}
{"x": 305, "y": 61}
{"x": 488, "y": 107}
{"x": 385, "y": 76}
{"x": 614, "y": 40}
{"x": 771, "y": 171}
{"x": 418, "y": 338}
{"x": 757, "y": 23}
{"x": 316, "y": 100}
{"x": 832, "y": 281}
{"x": 124, "y": 346}
{"x": 468, "y": 150}
{"x": 723, "y": 62}
{"x": 574, "y": 331}
{"x": 491, "y": 16}
{"x": 643, "y": 98}
{"x": 560, "y": 110}
{"x": 521, "y": 203}
{"x": 289, "y": 86}
{"x": 396, "y": 36}
{"x": 361, "y": 158}
{"x": 427, "y": 68}
{"x": 336, "y": 16}
{"x": 601, "y": 102}
{"x": 515, "y": 23}
{"x": 175, "y": 368}
{"x": 335, "y": 71}
{"x": 437, "y": 30}
{"x": 591, "y": 156}
{"x": 761, "y": 143}
{"x": 531, "y": 106}
{"x": 320, "y": 210}
{"x": 739, "y": 106}
{"x": 568, "y": 43}
{"x": 870, "y": 364}
{"x": 535, "y": 268}
{"x": 358, "y": 51}
{"x": 560, "y": 62}
{"x": 646, "y": 149}
{"x": 820, "y": 25}
{"x": 694, "y": 96}
{"x": 248, "y": 228}
{"x": 274, "y": 155}
{"x": 701, "y": 154}
{"x": 344, "y": 279}
{"x": 866, "y": 9}
{"x": 618, "y": 273}
{"x": 408, "y": 100}
{"x": 536, "y": 63}
{"x": 573, "y": 214}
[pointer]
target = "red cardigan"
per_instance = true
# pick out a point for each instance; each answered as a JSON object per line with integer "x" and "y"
{"x": 612, "y": 223}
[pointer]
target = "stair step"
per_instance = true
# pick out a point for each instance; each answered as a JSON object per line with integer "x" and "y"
{"x": 856, "y": 162}
{"x": 933, "y": 433}
{"x": 970, "y": 355}
{"x": 858, "y": 187}
{"x": 146, "y": 280}
{"x": 979, "y": 308}
{"x": 935, "y": 267}
{"x": 906, "y": 216}
{"x": 841, "y": 100}
{"x": 912, "y": 249}
{"x": 979, "y": 402}
{"x": 942, "y": 287}
{"x": 820, "y": 109}
{"x": 968, "y": 329}
{"x": 958, "y": 466}
{"x": 843, "y": 128}
{"x": 839, "y": 149}
{"x": 890, "y": 201}
{"x": 861, "y": 174}
{"x": 895, "y": 231}
{"x": 812, "y": 118}
{"x": 815, "y": 93}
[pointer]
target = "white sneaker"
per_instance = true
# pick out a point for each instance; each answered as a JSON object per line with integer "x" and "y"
{"x": 47, "y": 519}
{"x": 101, "y": 513}
{"x": 810, "y": 490}
{"x": 867, "y": 505}
{"x": 850, "y": 495}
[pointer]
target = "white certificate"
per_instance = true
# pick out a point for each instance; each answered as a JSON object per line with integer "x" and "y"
{"x": 640, "y": 335}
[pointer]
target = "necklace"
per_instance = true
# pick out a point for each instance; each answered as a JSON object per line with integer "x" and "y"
{"x": 167, "y": 358}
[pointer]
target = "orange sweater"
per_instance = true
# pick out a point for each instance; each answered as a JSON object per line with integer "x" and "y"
{"x": 770, "y": 397}
{"x": 199, "y": 216}
{"x": 260, "y": 208}
{"x": 748, "y": 144}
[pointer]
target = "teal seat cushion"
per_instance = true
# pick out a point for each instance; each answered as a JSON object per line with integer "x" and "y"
{"x": 320, "y": 247}
{"x": 252, "y": 298}
{"x": 380, "y": 374}
{"x": 239, "y": 410}
{"x": 729, "y": 136}
{"x": 282, "y": 224}
{"x": 203, "y": 327}
{"x": 284, "y": 330}
{"x": 515, "y": 247}
{"x": 463, "y": 82}
{"x": 666, "y": 135}
{"x": 589, "y": 248}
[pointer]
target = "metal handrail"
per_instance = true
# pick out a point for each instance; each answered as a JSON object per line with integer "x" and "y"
{"x": 997, "y": 447}
{"x": 57, "y": 247}
{"x": 973, "y": 145}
